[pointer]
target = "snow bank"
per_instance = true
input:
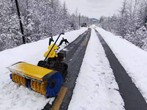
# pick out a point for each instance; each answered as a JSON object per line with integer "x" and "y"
{"x": 14, "y": 97}
{"x": 133, "y": 59}
{"x": 96, "y": 88}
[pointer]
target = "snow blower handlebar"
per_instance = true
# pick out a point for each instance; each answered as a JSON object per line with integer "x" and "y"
{"x": 53, "y": 46}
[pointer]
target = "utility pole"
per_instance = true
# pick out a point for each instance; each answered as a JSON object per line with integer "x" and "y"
{"x": 87, "y": 21}
{"x": 79, "y": 20}
{"x": 64, "y": 15}
{"x": 52, "y": 12}
{"x": 20, "y": 22}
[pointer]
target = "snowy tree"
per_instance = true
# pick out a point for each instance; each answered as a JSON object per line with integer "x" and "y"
{"x": 9, "y": 35}
{"x": 39, "y": 18}
{"x": 131, "y": 23}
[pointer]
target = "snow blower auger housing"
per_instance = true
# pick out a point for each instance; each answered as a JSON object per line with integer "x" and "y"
{"x": 42, "y": 80}
{"x": 47, "y": 77}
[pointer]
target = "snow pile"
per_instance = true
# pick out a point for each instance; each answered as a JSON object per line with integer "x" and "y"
{"x": 132, "y": 58}
{"x": 14, "y": 97}
{"x": 96, "y": 88}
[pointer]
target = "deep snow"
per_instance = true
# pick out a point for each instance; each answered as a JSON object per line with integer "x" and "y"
{"x": 132, "y": 58}
{"x": 14, "y": 97}
{"x": 96, "y": 88}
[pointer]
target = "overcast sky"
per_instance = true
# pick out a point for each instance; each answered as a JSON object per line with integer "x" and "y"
{"x": 94, "y": 8}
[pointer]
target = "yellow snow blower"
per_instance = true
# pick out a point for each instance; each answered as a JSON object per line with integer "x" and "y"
{"x": 47, "y": 77}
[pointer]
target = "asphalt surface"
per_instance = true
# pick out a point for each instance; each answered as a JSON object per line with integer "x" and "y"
{"x": 132, "y": 97}
{"x": 75, "y": 52}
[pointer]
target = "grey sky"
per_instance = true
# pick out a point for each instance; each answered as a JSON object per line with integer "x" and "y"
{"x": 94, "y": 8}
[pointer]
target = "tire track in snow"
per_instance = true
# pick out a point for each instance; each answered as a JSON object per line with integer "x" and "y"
{"x": 132, "y": 97}
{"x": 96, "y": 88}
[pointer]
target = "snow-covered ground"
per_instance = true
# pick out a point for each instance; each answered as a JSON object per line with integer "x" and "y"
{"x": 132, "y": 58}
{"x": 14, "y": 97}
{"x": 96, "y": 88}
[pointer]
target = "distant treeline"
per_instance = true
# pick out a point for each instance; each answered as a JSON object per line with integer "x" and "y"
{"x": 130, "y": 23}
{"x": 40, "y": 19}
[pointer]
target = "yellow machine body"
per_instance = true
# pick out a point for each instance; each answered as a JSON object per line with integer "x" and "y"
{"x": 53, "y": 52}
{"x": 30, "y": 71}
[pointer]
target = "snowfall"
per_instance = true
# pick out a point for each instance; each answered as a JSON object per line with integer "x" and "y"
{"x": 96, "y": 88}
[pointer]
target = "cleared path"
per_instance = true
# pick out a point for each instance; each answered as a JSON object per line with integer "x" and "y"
{"x": 74, "y": 57}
